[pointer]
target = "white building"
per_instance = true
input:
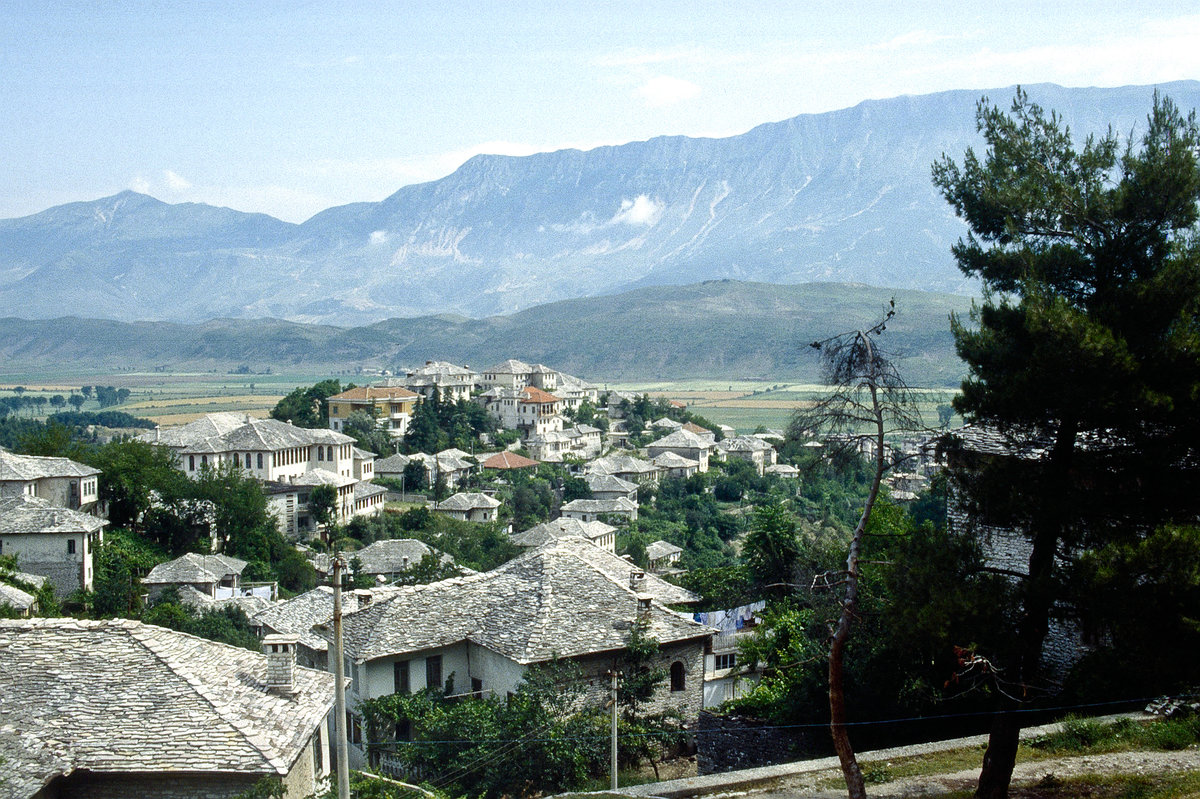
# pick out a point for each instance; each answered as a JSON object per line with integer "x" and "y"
{"x": 50, "y": 541}
{"x": 60, "y": 481}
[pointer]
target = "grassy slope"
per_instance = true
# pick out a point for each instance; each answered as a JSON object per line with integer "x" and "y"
{"x": 726, "y": 330}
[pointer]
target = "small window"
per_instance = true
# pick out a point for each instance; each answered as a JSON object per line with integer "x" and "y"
{"x": 726, "y": 661}
{"x": 476, "y": 687}
{"x": 70, "y": 546}
{"x": 247, "y": 460}
{"x": 678, "y": 682}
{"x": 400, "y": 677}
{"x": 433, "y": 671}
{"x": 191, "y": 463}
{"x": 260, "y": 460}
{"x": 320, "y": 453}
{"x": 353, "y": 728}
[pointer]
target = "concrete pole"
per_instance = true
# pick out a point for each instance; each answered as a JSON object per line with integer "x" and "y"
{"x": 339, "y": 671}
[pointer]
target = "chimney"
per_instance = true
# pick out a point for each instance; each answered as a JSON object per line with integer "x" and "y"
{"x": 404, "y": 561}
{"x": 281, "y": 663}
{"x": 637, "y": 579}
{"x": 643, "y": 605}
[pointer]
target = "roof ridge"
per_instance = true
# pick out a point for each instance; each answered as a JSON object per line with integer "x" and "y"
{"x": 146, "y": 639}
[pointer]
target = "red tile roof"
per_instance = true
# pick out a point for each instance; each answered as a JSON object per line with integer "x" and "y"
{"x": 535, "y": 394}
{"x": 508, "y": 460}
{"x": 376, "y": 392}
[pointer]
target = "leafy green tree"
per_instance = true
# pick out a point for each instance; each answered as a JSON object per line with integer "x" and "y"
{"x": 121, "y": 562}
{"x": 322, "y": 504}
{"x": 52, "y": 439}
{"x": 76, "y": 401}
{"x": 131, "y": 473}
{"x": 772, "y": 549}
{"x": 243, "y": 524}
{"x": 1091, "y": 269}
{"x": 307, "y": 407}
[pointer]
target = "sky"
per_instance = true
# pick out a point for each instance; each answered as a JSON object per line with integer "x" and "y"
{"x": 291, "y": 108}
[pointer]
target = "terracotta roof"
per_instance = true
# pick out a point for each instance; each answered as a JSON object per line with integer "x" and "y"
{"x": 692, "y": 427}
{"x": 535, "y": 394}
{"x": 122, "y": 696}
{"x": 370, "y": 393}
{"x": 508, "y": 460}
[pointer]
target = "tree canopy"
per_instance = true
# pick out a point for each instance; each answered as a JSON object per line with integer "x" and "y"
{"x": 1086, "y": 340}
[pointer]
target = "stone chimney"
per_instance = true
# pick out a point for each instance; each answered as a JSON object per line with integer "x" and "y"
{"x": 281, "y": 663}
{"x": 637, "y": 579}
{"x": 643, "y": 606}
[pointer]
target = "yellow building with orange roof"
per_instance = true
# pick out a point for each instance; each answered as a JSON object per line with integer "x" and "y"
{"x": 390, "y": 406}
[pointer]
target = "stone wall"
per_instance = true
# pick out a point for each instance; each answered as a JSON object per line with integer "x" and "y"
{"x": 87, "y": 785}
{"x": 728, "y": 743}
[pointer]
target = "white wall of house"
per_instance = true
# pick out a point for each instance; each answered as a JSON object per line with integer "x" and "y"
{"x": 65, "y": 559}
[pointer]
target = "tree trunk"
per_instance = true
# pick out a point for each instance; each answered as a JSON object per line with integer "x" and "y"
{"x": 855, "y": 787}
{"x": 1048, "y": 528}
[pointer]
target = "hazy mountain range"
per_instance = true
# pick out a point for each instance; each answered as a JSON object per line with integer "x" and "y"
{"x": 721, "y": 329}
{"x": 843, "y": 196}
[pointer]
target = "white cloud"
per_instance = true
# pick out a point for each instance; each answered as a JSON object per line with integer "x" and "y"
{"x": 640, "y": 211}
{"x": 664, "y": 90}
{"x": 175, "y": 182}
{"x": 379, "y": 237}
{"x": 140, "y": 185}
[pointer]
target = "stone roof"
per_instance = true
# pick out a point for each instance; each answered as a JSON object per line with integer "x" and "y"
{"x": 372, "y": 393}
{"x": 564, "y": 599}
{"x": 18, "y": 599}
{"x": 319, "y": 477}
{"x": 561, "y": 528}
{"x": 229, "y": 432}
{"x": 617, "y": 505}
{"x": 666, "y": 424}
{"x": 298, "y": 615}
{"x": 508, "y": 460}
{"x": 26, "y": 514}
{"x": 510, "y": 367}
{"x": 620, "y": 464}
{"x": 672, "y": 460}
{"x": 366, "y": 490}
{"x": 392, "y": 464}
{"x": 440, "y": 370}
{"x": 783, "y": 470}
{"x": 661, "y": 549}
{"x": 37, "y": 467}
{"x": 682, "y": 438}
{"x": 193, "y": 569}
{"x": 573, "y": 383}
{"x": 249, "y": 604}
{"x": 598, "y": 482}
{"x": 744, "y": 444}
{"x": 468, "y": 500}
{"x": 122, "y": 696}
{"x": 363, "y": 454}
{"x": 394, "y": 555}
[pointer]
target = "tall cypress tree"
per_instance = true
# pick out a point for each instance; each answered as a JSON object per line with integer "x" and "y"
{"x": 1087, "y": 341}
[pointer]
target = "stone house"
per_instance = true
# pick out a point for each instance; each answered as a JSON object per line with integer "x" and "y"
{"x": 529, "y": 410}
{"x": 601, "y": 534}
{"x": 686, "y": 444}
{"x": 469, "y": 507}
{"x": 51, "y": 541}
{"x": 60, "y": 481}
{"x": 566, "y": 599}
{"x": 450, "y": 381}
{"x": 751, "y": 449}
{"x": 662, "y": 555}
{"x": 609, "y": 486}
{"x": 215, "y": 576}
{"x": 390, "y": 406}
{"x": 588, "y": 510}
{"x": 134, "y": 710}
{"x": 298, "y": 616}
{"x": 384, "y": 560}
{"x": 578, "y": 441}
{"x": 676, "y": 466}
{"x": 626, "y": 467}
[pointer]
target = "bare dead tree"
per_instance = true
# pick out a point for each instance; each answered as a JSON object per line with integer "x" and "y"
{"x": 868, "y": 402}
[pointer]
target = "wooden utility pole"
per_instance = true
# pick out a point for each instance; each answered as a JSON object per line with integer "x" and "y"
{"x": 339, "y": 671}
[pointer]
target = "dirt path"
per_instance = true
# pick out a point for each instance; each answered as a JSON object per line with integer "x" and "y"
{"x": 815, "y": 785}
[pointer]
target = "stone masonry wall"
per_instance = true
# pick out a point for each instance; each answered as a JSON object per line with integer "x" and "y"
{"x": 728, "y": 743}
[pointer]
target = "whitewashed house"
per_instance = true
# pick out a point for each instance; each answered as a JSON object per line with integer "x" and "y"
{"x": 59, "y": 481}
{"x": 48, "y": 540}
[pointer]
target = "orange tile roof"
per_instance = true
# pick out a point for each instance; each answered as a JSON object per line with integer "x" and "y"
{"x": 695, "y": 428}
{"x": 535, "y": 394}
{"x": 508, "y": 460}
{"x": 375, "y": 393}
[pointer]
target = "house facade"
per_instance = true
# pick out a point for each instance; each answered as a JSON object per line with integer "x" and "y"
{"x": 390, "y": 406}
{"x": 469, "y": 507}
{"x": 567, "y": 599}
{"x": 449, "y": 381}
{"x": 686, "y": 444}
{"x": 54, "y": 542}
{"x": 60, "y": 481}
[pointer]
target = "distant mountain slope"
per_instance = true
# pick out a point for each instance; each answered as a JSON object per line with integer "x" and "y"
{"x": 842, "y": 196}
{"x": 717, "y": 329}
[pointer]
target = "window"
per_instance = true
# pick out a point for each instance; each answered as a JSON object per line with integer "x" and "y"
{"x": 678, "y": 683}
{"x": 70, "y": 546}
{"x": 203, "y": 460}
{"x": 433, "y": 671}
{"x": 726, "y": 661}
{"x": 353, "y": 728}
{"x": 320, "y": 453}
{"x": 330, "y": 448}
{"x": 247, "y": 460}
{"x": 400, "y": 677}
{"x": 260, "y": 460}
{"x": 191, "y": 463}
{"x": 476, "y": 688}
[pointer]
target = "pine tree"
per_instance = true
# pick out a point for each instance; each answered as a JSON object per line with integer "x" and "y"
{"x": 1087, "y": 339}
